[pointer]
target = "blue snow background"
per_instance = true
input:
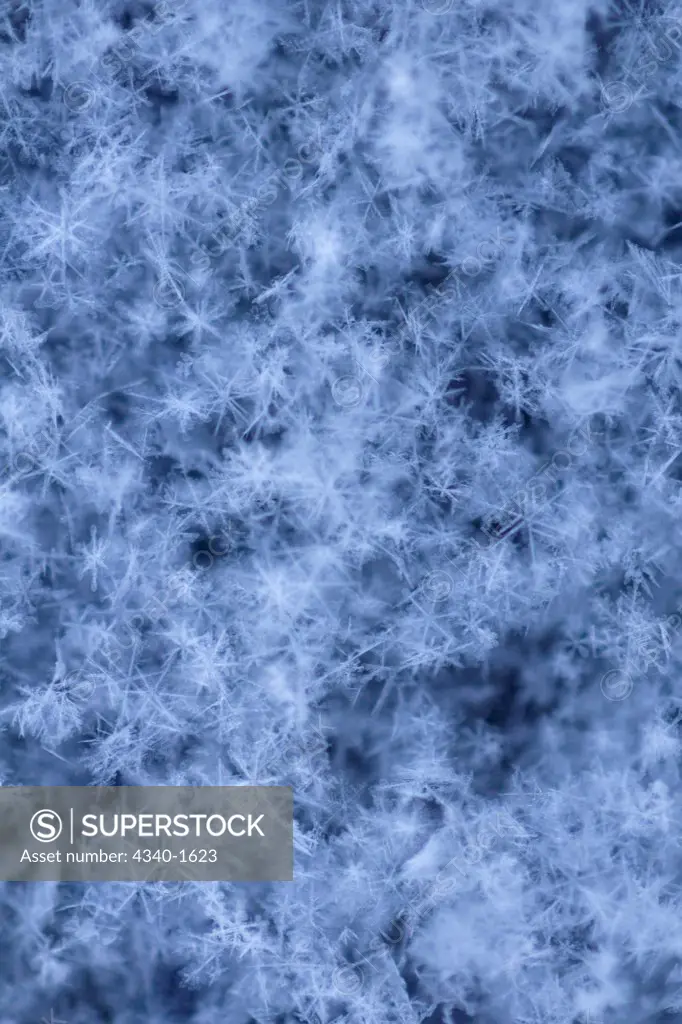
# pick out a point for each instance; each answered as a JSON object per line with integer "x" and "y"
{"x": 340, "y": 425}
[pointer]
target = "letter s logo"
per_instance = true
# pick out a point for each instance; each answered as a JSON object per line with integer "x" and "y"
{"x": 46, "y": 826}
